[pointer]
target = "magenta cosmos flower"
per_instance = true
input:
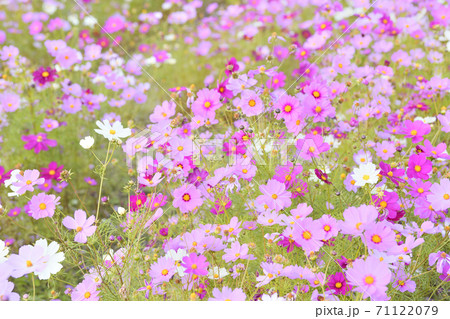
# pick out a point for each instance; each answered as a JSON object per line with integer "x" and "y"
{"x": 370, "y": 277}
{"x": 419, "y": 166}
{"x": 415, "y": 130}
{"x": 38, "y": 142}
{"x": 227, "y": 294}
{"x": 44, "y": 75}
{"x": 187, "y": 198}
{"x": 275, "y": 195}
{"x": 81, "y": 225}
{"x": 208, "y": 101}
{"x": 338, "y": 283}
{"x": 53, "y": 171}
{"x": 196, "y": 265}
{"x": 43, "y": 205}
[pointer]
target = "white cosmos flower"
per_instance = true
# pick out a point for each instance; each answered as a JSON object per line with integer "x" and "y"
{"x": 121, "y": 210}
{"x": 365, "y": 174}
{"x": 87, "y": 142}
{"x": 178, "y": 257}
{"x": 273, "y": 297}
{"x": 112, "y": 132}
{"x": 217, "y": 273}
{"x": 12, "y": 180}
{"x": 52, "y": 265}
{"x": 4, "y": 250}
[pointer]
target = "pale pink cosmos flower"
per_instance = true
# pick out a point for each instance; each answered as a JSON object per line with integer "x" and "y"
{"x": 81, "y": 225}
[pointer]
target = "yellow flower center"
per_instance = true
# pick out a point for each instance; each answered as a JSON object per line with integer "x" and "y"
{"x": 316, "y": 94}
{"x": 87, "y": 295}
{"x": 164, "y": 272}
{"x": 318, "y": 109}
{"x": 376, "y": 239}
{"x": 369, "y": 280}
{"x": 338, "y": 285}
{"x": 251, "y": 103}
{"x": 180, "y": 148}
{"x": 112, "y": 132}
{"x": 417, "y": 168}
{"x": 207, "y": 104}
{"x": 307, "y": 235}
{"x": 274, "y": 196}
{"x": 413, "y": 132}
{"x": 186, "y": 197}
{"x": 366, "y": 177}
{"x": 29, "y": 263}
{"x": 79, "y": 229}
{"x": 45, "y": 74}
{"x": 42, "y": 206}
{"x": 288, "y": 108}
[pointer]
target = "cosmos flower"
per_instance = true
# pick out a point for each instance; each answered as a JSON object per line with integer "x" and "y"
{"x": 187, "y": 198}
{"x": 115, "y": 131}
{"x": 370, "y": 277}
{"x": 43, "y": 205}
{"x": 38, "y": 142}
{"x": 195, "y": 264}
{"x": 275, "y": 194}
{"x": 44, "y": 75}
{"x": 439, "y": 196}
{"x": 365, "y": 174}
{"x": 228, "y": 294}
{"x": 81, "y": 224}
{"x": 27, "y": 180}
{"x": 86, "y": 291}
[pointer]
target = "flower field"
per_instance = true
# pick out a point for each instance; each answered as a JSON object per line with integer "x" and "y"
{"x": 199, "y": 150}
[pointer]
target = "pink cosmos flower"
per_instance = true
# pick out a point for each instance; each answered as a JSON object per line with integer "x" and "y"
{"x": 163, "y": 270}
{"x": 81, "y": 225}
{"x": 440, "y": 195}
{"x": 275, "y": 195}
{"x": 38, "y": 142}
{"x": 236, "y": 251}
{"x": 370, "y": 277}
{"x": 250, "y": 103}
{"x": 86, "y": 291}
{"x": 187, "y": 198}
{"x": 289, "y": 107}
{"x": 9, "y": 102}
{"x": 206, "y": 104}
{"x": 311, "y": 146}
{"x": 30, "y": 259}
{"x": 309, "y": 233}
{"x": 196, "y": 265}
{"x": 415, "y": 130}
{"x": 379, "y": 236}
{"x": 227, "y": 294}
{"x": 43, "y": 205}
{"x": 180, "y": 148}
{"x": 357, "y": 219}
{"x": 26, "y": 181}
